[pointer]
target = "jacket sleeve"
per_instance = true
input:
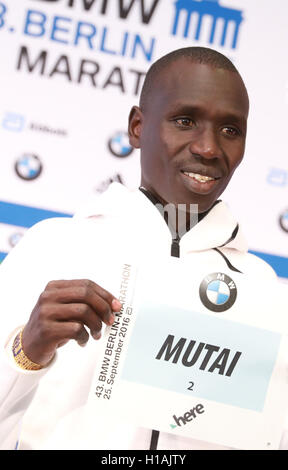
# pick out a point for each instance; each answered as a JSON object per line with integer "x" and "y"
{"x": 22, "y": 278}
{"x": 17, "y": 388}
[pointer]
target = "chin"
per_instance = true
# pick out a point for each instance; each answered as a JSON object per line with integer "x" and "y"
{"x": 203, "y": 203}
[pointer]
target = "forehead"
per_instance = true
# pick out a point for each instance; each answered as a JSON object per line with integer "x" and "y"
{"x": 193, "y": 84}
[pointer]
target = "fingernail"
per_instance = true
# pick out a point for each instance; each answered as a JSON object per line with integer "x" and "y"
{"x": 111, "y": 319}
{"x": 116, "y": 305}
{"x": 97, "y": 335}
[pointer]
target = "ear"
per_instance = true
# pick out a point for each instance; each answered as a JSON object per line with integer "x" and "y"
{"x": 135, "y": 126}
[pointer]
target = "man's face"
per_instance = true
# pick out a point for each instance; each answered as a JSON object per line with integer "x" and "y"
{"x": 191, "y": 133}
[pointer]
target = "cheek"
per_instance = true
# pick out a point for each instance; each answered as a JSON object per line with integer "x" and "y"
{"x": 169, "y": 144}
{"x": 158, "y": 145}
{"x": 235, "y": 155}
{"x": 237, "y": 160}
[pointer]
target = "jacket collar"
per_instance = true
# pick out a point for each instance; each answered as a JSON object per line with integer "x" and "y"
{"x": 217, "y": 229}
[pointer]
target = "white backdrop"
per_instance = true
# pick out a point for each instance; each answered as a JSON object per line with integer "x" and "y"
{"x": 72, "y": 69}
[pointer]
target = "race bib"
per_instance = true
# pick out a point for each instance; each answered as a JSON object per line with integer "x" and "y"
{"x": 202, "y": 355}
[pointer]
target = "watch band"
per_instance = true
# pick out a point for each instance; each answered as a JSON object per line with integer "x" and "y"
{"x": 20, "y": 357}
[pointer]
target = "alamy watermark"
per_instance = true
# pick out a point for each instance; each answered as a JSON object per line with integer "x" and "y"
{"x": 178, "y": 218}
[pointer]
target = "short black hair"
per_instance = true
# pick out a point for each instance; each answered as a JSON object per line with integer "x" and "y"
{"x": 200, "y": 55}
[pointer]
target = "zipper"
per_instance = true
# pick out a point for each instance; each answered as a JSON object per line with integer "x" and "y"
{"x": 175, "y": 252}
{"x": 175, "y": 247}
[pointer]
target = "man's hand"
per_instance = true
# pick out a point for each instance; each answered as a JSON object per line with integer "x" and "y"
{"x": 63, "y": 310}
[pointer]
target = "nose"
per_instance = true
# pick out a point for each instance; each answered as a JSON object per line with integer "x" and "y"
{"x": 206, "y": 144}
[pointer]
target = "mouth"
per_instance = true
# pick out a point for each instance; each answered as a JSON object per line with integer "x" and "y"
{"x": 198, "y": 177}
{"x": 200, "y": 183}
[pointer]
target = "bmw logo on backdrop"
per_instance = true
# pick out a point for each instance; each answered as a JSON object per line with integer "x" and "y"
{"x": 28, "y": 166}
{"x": 283, "y": 220}
{"x": 119, "y": 145}
{"x": 218, "y": 292}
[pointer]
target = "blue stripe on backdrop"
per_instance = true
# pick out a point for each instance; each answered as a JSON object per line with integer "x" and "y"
{"x": 25, "y": 216}
{"x": 278, "y": 263}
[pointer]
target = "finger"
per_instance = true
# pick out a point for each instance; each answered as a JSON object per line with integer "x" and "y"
{"x": 111, "y": 299}
{"x": 82, "y": 288}
{"x": 76, "y": 331}
{"x": 60, "y": 332}
{"x": 116, "y": 305}
{"x": 82, "y": 313}
{"x": 78, "y": 294}
{"x": 113, "y": 302}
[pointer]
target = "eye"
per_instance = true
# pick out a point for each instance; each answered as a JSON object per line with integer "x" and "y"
{"x": 231, "y": 131}
{"x": 185, "y": 122}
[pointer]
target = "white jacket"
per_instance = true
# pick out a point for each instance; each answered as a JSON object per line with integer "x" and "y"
{"x": 45, "y": 406}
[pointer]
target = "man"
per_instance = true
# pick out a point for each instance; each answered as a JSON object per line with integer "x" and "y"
{"x": 191, "y": 130}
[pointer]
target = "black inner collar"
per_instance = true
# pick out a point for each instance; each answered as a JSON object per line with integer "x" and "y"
{"x": 155, "y": 201}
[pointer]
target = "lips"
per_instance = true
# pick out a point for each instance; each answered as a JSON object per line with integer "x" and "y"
{"x": 202, "y": 174}
{"x": 202, "y": 180}
{"x": 198, "y": 177}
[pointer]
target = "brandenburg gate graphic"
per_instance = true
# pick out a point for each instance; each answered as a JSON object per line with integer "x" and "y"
{"x": 212, "y": 9}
